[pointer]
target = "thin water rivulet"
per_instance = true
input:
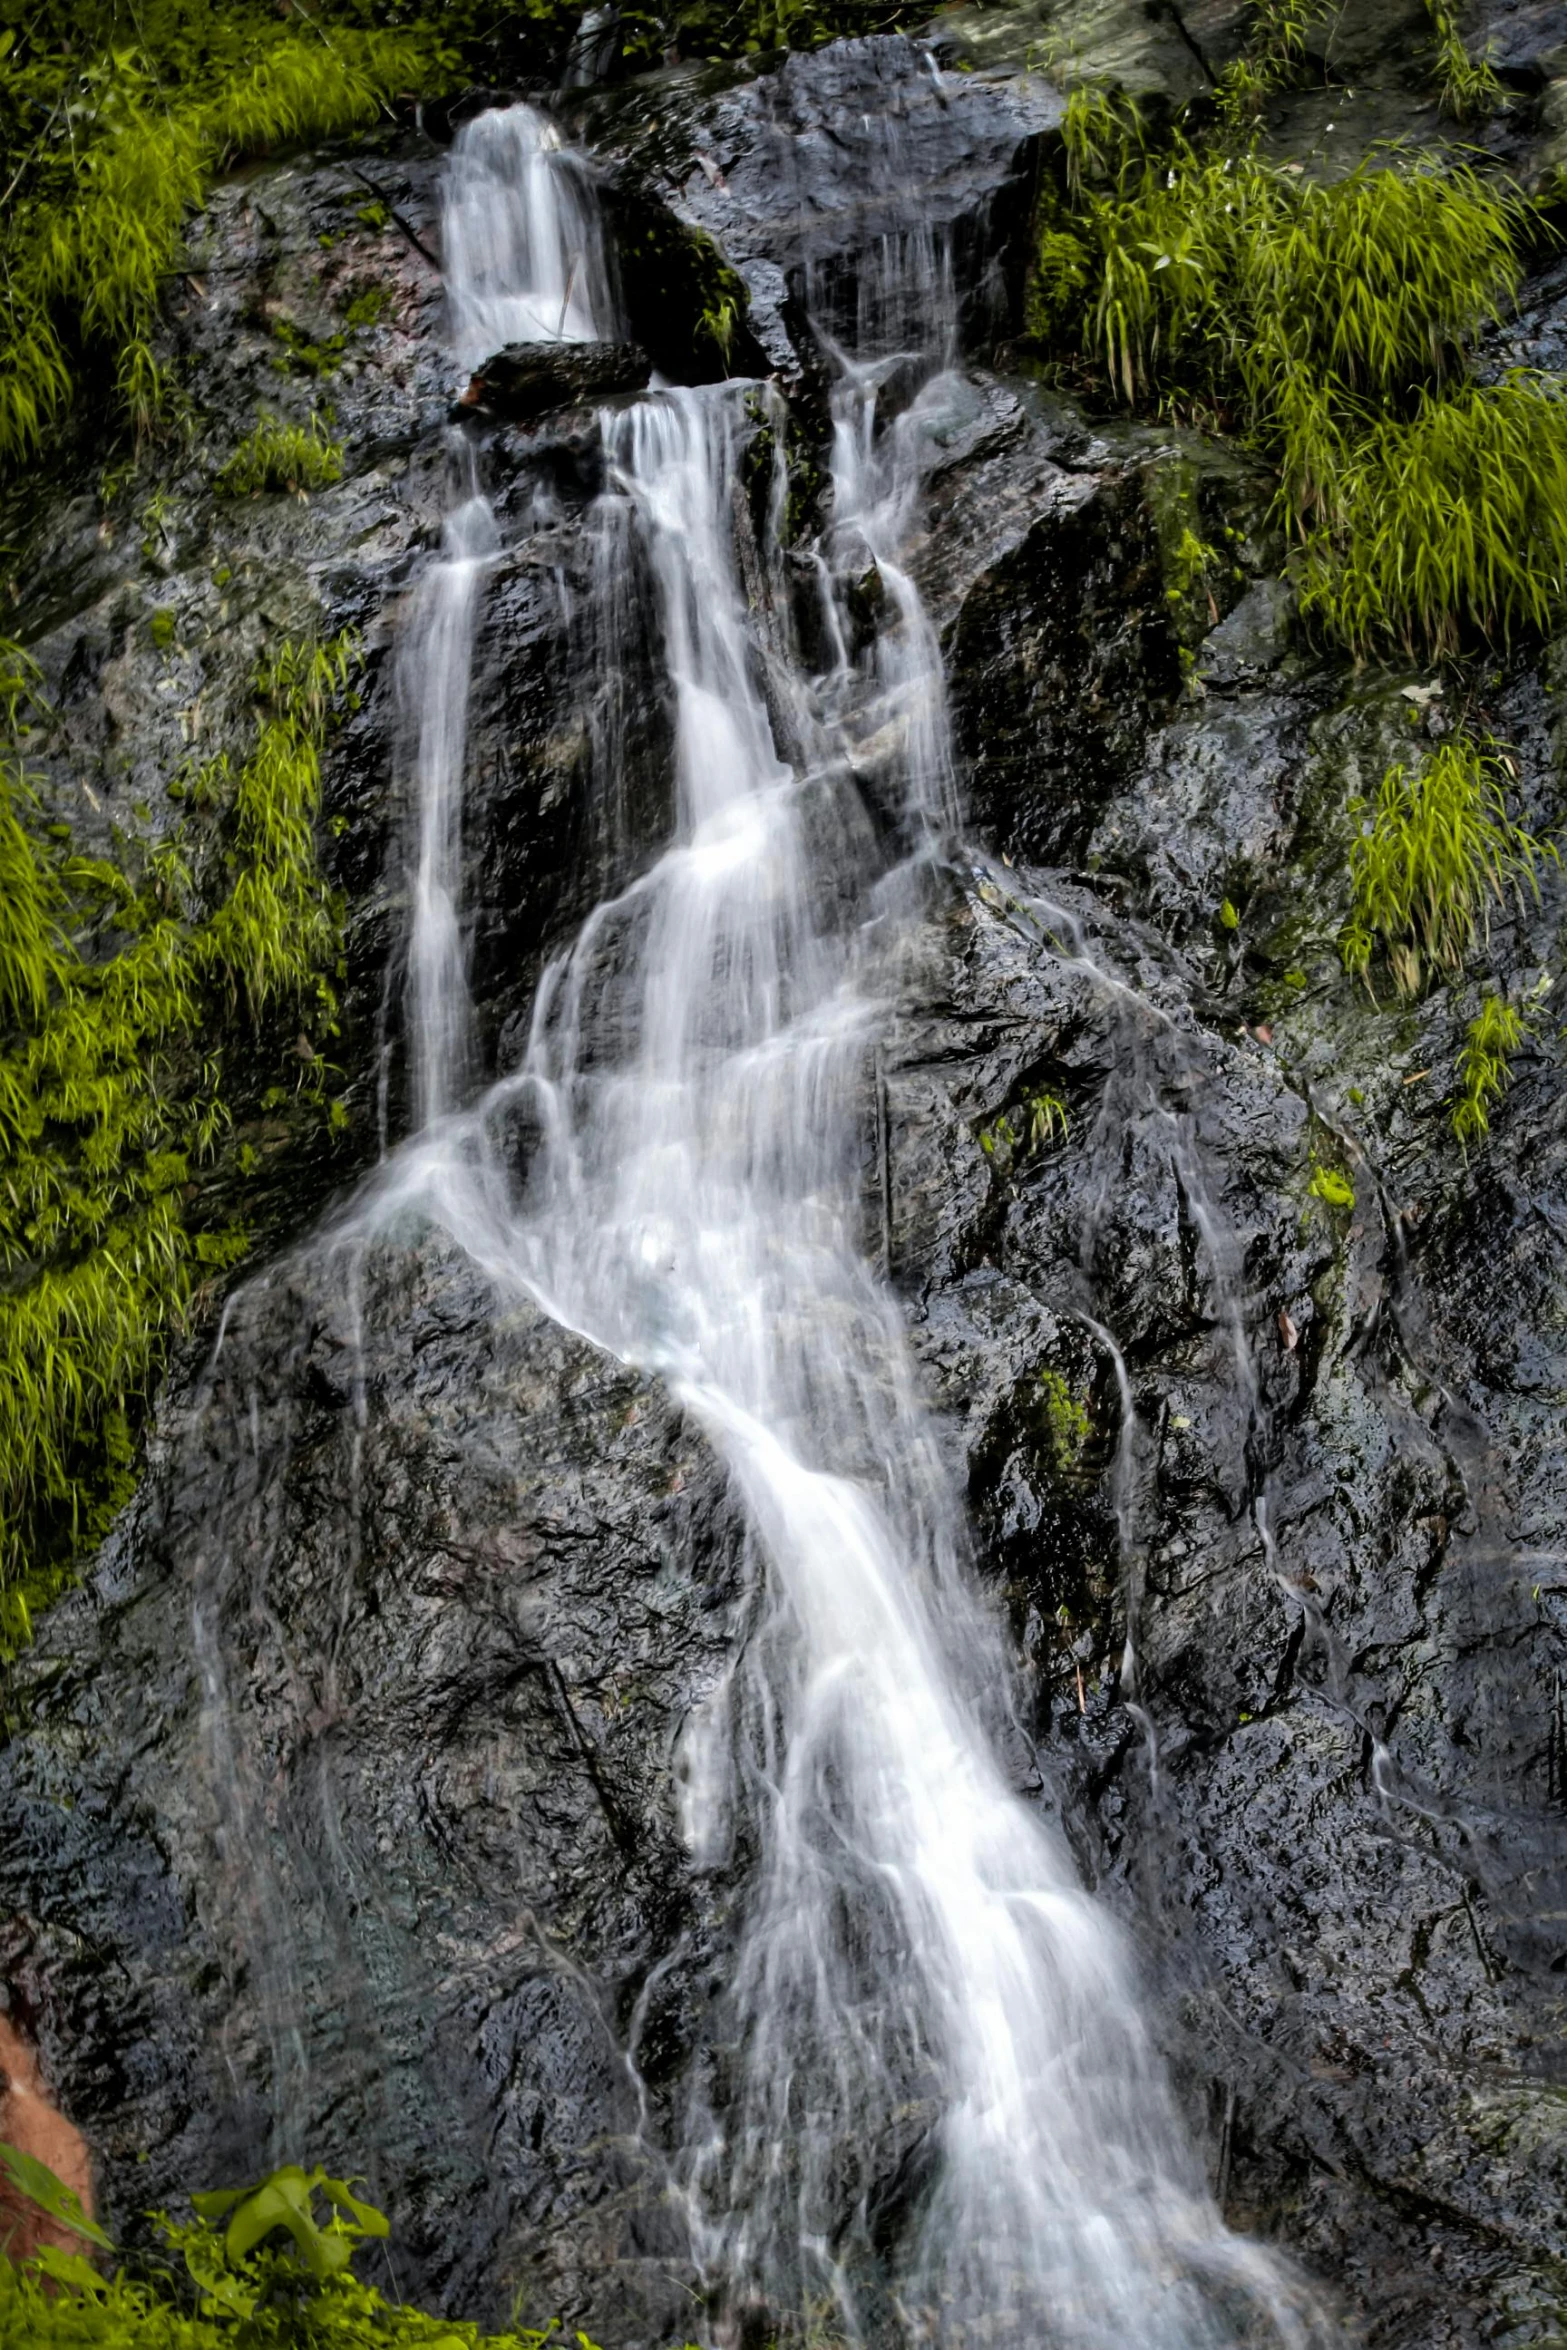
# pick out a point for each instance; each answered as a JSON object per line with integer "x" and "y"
{"x": 922, "y": 1986}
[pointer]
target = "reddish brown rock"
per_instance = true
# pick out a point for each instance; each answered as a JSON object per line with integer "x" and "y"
{"x": 35, "y": 2126}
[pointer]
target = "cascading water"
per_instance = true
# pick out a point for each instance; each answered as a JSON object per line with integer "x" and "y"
{"x": 524, "y": 250}
{"x": 524, "y": 263}
{"x": 928, "y": 2016}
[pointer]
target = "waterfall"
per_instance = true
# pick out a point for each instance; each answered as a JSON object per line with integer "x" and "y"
{"x": 930, "y": 2109}
{"x": 524, "y": 263}
{"x": 524, "y": 251}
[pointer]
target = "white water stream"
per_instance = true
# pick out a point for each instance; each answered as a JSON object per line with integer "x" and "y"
{"x": 929, "y": 2016}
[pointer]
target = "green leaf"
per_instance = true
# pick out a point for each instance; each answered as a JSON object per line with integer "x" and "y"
{"x": 216, "y": 2202}
{"x": 38, "y": 2183}
{"x": 68, "y": 2269}
{"x": 365, "y": 2216}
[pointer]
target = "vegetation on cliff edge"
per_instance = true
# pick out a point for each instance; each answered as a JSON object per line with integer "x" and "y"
{"x": 126, "y": 988}
{"x": 1334, "y": 325}
{"x": 268, "y": 2267}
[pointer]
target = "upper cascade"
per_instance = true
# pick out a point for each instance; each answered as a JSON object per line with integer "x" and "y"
{"x": 524, "y": 249}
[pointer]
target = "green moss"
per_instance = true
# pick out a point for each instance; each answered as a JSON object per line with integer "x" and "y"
{"x": 1067, "y": 1424}
{"x": 304, "y": 354}
{"x": 1436, "y": 852}
{"x": 1333, "y": 1189}
{"x": 278, "y": 455}
{"x": 162, "y": 629}
{"x": 1190, "y": 564}
{"x": 117, "y": 992}
{"x": 1057, "y": 283}
{"x": 367, "y": 307}
{"x": 1485, "y": 1066}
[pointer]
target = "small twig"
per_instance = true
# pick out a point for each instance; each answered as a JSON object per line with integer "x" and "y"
{"x": 565, "y": 300}
{"x": 410, "y": 233}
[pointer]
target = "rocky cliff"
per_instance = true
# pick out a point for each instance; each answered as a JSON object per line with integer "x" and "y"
{"x": 338, "y": 1810}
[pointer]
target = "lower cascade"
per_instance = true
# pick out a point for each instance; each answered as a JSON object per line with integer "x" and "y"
{"x": 919, "y": 1967}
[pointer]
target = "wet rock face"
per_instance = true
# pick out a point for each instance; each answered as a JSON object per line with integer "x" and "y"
{"x": 402, "y": 1838}
{"x": 340, "y": 1814}
{"x": 795, "y": 174}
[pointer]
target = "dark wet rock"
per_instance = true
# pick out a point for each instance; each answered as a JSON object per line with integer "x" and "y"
{"x": 527, "y": 380}
{"x": 1526, "y": 38}
{"x": 387, "y": 1766}
{"x": 1149, "y": 52}
{"x": 796, "y": 173}
{"x": 1251, "y": 640}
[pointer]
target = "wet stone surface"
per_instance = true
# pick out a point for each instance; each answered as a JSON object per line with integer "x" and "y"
{"x": 339, "y": 1813}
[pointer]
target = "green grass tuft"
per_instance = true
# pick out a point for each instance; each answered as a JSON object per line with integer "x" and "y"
{"x": 1450, "y": 523}
{"x": 1333, "y": 325}
{"x": 1437, "y": 852}
{"x": 1469, "y": 86}
{"x": 93, "y": 223}
{"x": 278, "y": 455}
{"x": 1254, "y": 288}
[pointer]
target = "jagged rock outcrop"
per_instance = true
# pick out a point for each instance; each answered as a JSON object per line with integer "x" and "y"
{"x": 338, "y": 1813}
{"x": 529, "y": 380}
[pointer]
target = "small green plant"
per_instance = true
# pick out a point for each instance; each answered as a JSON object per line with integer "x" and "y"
{"x": 281, "y": 456}
{"x": 1067, "y": 1424}
{"x": 1437, "y": 851}
{"x": 268, "y": 2267}
{"x": 162, "y": 628}
{"x": 1485, "y": 1066}
{"x": 1469, "y": 85}
{"x": 155, "y": 529}
{"x": 1333, "y": 1189}
{"x": 1047, "y": 1119}
{"x": 1041, "y": 1119}
{"x": 32, "y": 2181}
{"x": 1275, "y": 48}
